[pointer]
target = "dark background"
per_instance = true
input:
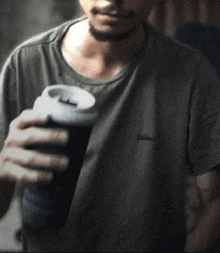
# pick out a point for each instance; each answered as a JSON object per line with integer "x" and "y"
{"x": 21, "y": 19}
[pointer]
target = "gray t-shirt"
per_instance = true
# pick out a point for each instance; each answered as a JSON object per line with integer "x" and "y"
{"x": 159, "y": 120}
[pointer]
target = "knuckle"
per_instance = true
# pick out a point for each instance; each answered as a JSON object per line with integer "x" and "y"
{"x": 27, "y": 138}
{"x": 15, "y": 122}
{"x": 14, "y": 137}
{"x": 51, "y": 162}
{"x": 36, "y": 176}
{"x": 39, "y": 176}
{"x": 53, "y": 135}
{"x": 5, "y": 158}
{"x": 29, "y": 160}
{"x": 34, "y": 134}
{"x": 27, "y": 176}
{"x": 9, "y": 141}
{"x": 25, "y": 113}
{"x": 12, "y": 124}
{"x": 57, "y": 162}
{"x": 62, "y": 136}
{"x": 7, "y": 155}
{"x": 4, "y": 167}
{"x": 50, "y": 135}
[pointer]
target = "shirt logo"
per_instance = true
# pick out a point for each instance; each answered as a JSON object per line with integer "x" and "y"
{"x": 144, "y": 137}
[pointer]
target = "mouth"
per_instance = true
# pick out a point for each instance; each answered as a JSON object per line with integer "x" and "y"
{"x": 117, "y": 14}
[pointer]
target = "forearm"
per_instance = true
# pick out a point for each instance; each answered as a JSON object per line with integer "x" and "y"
{"x": 206, "y": 234}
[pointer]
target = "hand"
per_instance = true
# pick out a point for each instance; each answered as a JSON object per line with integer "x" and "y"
{"x": 30, "y": 166}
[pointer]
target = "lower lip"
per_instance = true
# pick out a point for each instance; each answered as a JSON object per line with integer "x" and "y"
{"x": 112, "y": 18}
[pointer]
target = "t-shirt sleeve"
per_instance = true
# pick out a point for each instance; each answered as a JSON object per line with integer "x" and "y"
{"x": 8, "y": 107}
{"x": 204, "y": 120}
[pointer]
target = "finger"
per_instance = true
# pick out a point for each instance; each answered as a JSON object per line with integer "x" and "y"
{"x": 29, "y": 118}
{"x": 18, "y": 173}
{"x": 32, "y": 159}
{"x": 37, "y": 135}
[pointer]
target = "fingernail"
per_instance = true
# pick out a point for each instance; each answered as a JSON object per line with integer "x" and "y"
{"x": 64, "y": 136}
{"x": 64, "y": 162}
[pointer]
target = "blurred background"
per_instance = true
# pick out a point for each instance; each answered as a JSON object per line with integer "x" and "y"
{"x": 21, "y": 19}
{"x": 193, "y": 22}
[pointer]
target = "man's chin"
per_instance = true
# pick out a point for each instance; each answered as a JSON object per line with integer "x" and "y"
{"x": 109, "y": 36}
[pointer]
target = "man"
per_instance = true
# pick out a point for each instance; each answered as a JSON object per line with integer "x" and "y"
{"x": 158, "y": 120}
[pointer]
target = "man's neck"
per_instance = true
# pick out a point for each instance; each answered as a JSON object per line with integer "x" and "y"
{"x": 98, "y": 59}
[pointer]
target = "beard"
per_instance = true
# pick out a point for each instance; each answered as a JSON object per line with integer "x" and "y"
{"x": 104, "y": 36}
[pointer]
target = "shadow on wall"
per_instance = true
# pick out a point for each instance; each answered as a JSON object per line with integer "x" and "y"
{"x": 22, "y": 19}
{"x": 203, "y": 38}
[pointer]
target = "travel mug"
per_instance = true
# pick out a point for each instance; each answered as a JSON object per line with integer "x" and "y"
{"x": 46, "y": 207}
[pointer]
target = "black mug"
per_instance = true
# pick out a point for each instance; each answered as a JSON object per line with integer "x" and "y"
{"x": 46, "y": 207}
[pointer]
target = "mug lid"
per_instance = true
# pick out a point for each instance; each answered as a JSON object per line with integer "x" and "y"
{"x": 67, "y": 104}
